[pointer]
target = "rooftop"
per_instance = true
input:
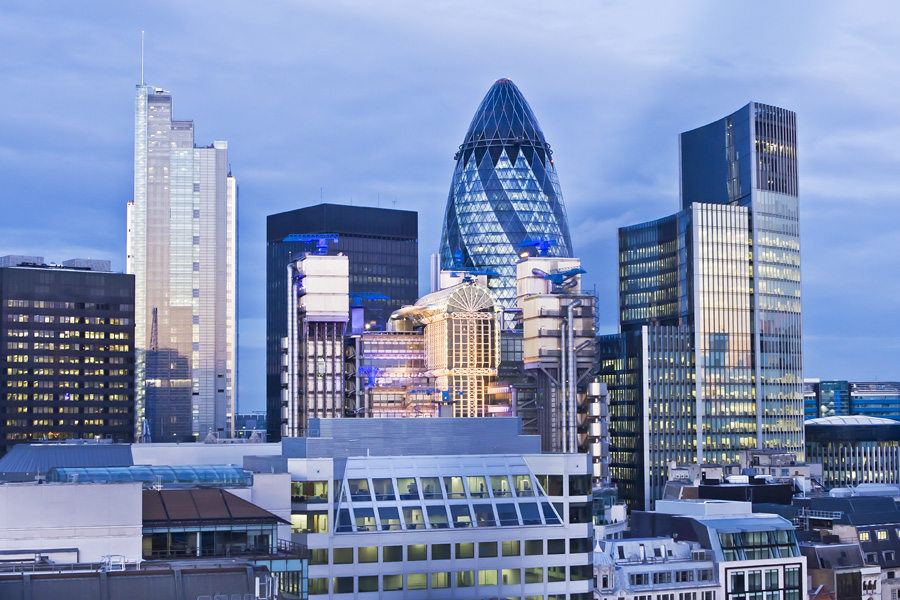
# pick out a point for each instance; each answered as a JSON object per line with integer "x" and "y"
{"x": 843, "y": 421}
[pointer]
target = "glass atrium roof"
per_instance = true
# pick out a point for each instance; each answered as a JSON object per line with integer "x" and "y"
{"x": 440, "y": 493}
{"x": 167, "y": 476}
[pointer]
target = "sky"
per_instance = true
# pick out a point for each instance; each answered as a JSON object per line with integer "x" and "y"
{"x": 367, "y": 102}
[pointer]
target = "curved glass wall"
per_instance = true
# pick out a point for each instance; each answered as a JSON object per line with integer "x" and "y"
{"x": 504, "y": 191}
{"x": 167, "y": 476}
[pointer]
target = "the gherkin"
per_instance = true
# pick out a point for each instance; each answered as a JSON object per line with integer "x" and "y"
{"x": 504, "y": 191}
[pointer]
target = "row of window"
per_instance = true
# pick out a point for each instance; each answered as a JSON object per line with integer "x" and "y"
{"x": 879, "y": 534}
{"x": 448, "y": 579}
{"x": 464, "y": 550}
{"x": 663, "y": 577}
{"x": 65, "y": 422}
{"x": 70, "y": 305}
{"x": 708, "y": 595}
{"x": 66, "y": 397}
{"x": 46, "y": 371}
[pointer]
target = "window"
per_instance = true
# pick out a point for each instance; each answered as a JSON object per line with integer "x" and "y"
{"x": 431, "y": 488}
{"x": 440, "y": 552}
{"x": 507, "y": 514}
{"x": 534, "y": 547}
{"x": 556, "y": 546}
{"x": 579, "y": 485}
{"x": 488, "y": 577}
{"x": 343, "y": 556}
{"x": 864, "y": 536}
{"x": 440, "y": 580}
{"x": 579, "y": 545}
{"x": 530, "y": 514}
{"x": 639, "y": 579}
{"x": 465, "y": 550}
{"x": 417, "y": 581}
{"x": 384, "y": 489}
{"x": 512, "y": 548}
{"x": 390, "y": 518}
{"x": 663, "y": 577}
{"x": 392, "y": 553}
{"x": 552, "y": 484}
{"x": 556, "y": 574}
{"x": 342, "y": 585}
{"x": 465, "y": 578}
{"x": 368, "y": 583}
{"x": 407, "y": 488}
{"x": 318, "y": 585}
{"x": 881, "y": 534}
{"x": 871, "y": 558}
{"x": 476, "y": 485}
{"x": 368, "y": 554}
{"x": 534, "y": 575}
{"x": 511, "y": 577}
{"x": 417, "y": 552}
{"x": 487, "y": 549}
{"x": 461, "y": 516}
{"x": 738, "y": 582}
{"x": 772, "y": 579}
{"x": 318, "y": 556}
{"x": 413, "y": 517}
{"x": 484, "y": 515}
{"x": 500, "y": 486}
{"x": 437, "y": 517}
{"x": 454, "y": 487}
{"x": 392, "y": 583}
{"x": 581, "y": 572}
{"x": 684, "y": 576}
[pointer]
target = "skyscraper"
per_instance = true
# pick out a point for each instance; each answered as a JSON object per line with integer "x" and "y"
{"x": 182, "y": 249}
{"x": 708, "y": 359}
{"x": 382, "y": 246}
{"x": 504, "y": 191}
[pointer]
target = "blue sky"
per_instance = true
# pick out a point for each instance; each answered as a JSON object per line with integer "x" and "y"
{"x": 356, "y": 100}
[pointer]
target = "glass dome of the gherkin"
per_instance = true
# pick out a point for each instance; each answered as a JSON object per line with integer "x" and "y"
{"x": 504, "y": 191}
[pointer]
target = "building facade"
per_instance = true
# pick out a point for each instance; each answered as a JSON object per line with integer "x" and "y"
{"x": 383, "y": 249}
{"x": 709, "y": 303}
{"x": 854, "y": 449}
{"x": 67, "y": 353}
{"x": 440, "y": 508}
{"x": 504, "y": 192}
{"x": 182, "y": 250}
{"x": 846, "y": 398}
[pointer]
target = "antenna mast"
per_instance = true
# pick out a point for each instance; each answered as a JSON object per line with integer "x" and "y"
{"x": 142, "y": 57}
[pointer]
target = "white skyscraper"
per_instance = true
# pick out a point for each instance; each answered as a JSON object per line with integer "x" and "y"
{"x": 182, "y": 249}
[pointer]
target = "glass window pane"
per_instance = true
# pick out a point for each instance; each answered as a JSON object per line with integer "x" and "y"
{"x": 500, "y": 486}
{"x": 454, "y": 487}
{"x": 359, "y": 489}
{"x": 413, "y": 517}
{"x": 440, "y": 580}
{"x": 507, "y": 514}
{"x": 523, "y": 485}
{"x": 384, "y": 489}
{"x": 530, "y": 513}
{"x": 417, "y": 581}
{"x": 549, "y": 516}
{"x": 368, "y": 554}
{"x": 368, "y": 583}
{"x": 392, "y": 583}
{"x": 465, "y": 550}
{"x": 484, "y": 515}
{"x": 390, "y": 518}
{"x": 461, "y": 515}
{"x": 440, "y": 552}
{"x": 365, "y": 519}
{"x": 407, "y": 488}
{"x": 431, "y": 488}
{"x": 511, "y": 576}
{"x": 437, "y": 517}
{"x": 465, "y": 578}
{"x": 477, "y": 487}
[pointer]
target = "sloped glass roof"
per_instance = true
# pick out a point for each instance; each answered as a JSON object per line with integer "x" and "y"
{"x": 440, "y": 493}
{"x": 166, "y": 476}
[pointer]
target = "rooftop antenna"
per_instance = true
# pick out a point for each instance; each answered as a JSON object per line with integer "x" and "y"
{"x": 142, "y": 57}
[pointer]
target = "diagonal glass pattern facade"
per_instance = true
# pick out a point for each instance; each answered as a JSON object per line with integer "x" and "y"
{"x": 504, "y": 190}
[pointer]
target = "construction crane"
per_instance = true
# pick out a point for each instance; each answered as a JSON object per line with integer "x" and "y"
{"x": 357, "y": 297}
{"x": 543, "y": 245}
{"x": 321, "y": 240}
{"x": 562, "y": 279}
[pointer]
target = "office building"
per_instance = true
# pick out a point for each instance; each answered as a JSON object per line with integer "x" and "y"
{"x": 840, "y": 570}
{"x": 382, "y": 247}
{"x": 849, "y": 398}
{"x": 67, "y": 353}
{"x": 855, "y": 449}
{"x": 708, "y": 362}
{"x": 462, "y": 346}
{"x": 443, "y": 508}
{"x": 504, "y": 191}
{"x": 752, "y": 553}
{"x": 313, "y": 361}
{"x": 182, "y": 250}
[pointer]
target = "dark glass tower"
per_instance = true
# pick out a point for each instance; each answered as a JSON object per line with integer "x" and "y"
{"x": 504, "y": 191}
{"x": 67, "y": 353}
{"x": 383, "y": 249}
{"x": 709, "y": 302}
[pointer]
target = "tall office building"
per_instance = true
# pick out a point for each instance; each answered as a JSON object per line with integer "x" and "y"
{"x": 504, "y": 191}
{"x": 850, "y": 398}
{"x": 383, "y": 250}
{"x": 708, "y": 361}
{"x": 182, "y": 249}
{"x": 67, "y": 353}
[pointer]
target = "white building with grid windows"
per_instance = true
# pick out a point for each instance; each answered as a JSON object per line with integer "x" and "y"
{"x": 439, "y": 508}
